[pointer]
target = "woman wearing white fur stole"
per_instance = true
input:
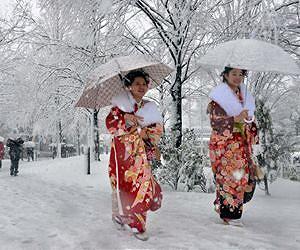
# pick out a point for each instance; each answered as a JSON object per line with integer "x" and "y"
{"x": 136, "y": 127}
{"x": 234, "y": 131}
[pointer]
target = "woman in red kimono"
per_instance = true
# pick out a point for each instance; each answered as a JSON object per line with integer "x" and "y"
{"x": 136, "y": 127}
{"x": 234, "y": 132}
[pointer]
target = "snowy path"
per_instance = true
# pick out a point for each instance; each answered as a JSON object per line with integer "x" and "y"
{"x": 54, "y": 205}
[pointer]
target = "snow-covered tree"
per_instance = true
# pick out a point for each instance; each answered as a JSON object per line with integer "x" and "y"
{"x": 186, "y": 174}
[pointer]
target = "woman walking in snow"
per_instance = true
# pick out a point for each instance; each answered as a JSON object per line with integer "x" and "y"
{"x": 231, "y": 143}
{"x": 136, "y": 126}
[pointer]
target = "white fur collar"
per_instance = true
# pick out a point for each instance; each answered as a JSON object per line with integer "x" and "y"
{"x": 124, "y": 101}
{"x": 149, "y": 111}
{"x": 224, "y": 96}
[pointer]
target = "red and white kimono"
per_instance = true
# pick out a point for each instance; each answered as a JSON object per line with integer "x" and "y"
{"x": 134, "y": 189}
{"x": 231, "y": 150}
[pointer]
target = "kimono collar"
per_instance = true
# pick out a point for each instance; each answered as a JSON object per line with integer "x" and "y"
{"x": 225, "y": 97}
{"x": 125, "y": 102}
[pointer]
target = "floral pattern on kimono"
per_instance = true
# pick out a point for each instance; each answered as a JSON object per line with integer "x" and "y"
{"x": 230, "y": 150}
{"x": 135, "y": 191}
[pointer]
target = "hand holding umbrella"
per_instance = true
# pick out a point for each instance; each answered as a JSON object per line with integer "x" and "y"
{"x": 243, "y": 116}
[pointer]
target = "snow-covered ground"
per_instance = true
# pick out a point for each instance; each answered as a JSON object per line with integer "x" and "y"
{"x": 53, "y": 204}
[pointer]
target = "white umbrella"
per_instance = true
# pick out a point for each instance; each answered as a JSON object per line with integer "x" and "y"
{"x": 251, "y": 54}
{"x": 105, "y": 81}
{"x": 1, "y": 139}
{"x": 29, "y": 144}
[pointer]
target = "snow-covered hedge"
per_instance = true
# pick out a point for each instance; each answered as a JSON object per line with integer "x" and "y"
{"x": 184, "y": 168}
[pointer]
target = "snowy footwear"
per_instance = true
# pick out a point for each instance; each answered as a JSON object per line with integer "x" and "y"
{"x": 217, "y": 209}
{"x": 141, "y": 236}
{"x": 226, "y": 221}
{"x": 133, "y": 231}
{"x": 236, "y": 223}
{"x": 118, "y": 223}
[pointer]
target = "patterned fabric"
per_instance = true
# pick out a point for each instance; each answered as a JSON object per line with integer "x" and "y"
{"x": 104, "y": 82}
{"x": 135, "y": 190}
{"x": 230, "y": 154}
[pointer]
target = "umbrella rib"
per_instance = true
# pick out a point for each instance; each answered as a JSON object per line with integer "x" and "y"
{"x": 120, "y": 70}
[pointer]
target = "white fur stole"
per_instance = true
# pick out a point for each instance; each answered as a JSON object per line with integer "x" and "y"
{"x": 224, "y": 96}
{"x": 149, "y": 111}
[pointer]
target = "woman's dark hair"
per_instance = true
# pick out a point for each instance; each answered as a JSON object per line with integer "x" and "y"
{"x": 129, "y": 78}
{"x": 228, "y": 69}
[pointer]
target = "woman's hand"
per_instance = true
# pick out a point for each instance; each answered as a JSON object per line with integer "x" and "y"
{"x": 249, "y": 119}
{"x": 133, "y": 119}
{"x": 242, "y": 116}
{"x": 144, "y": 134}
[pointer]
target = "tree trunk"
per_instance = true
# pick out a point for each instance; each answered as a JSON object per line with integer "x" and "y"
{"x": 176, "y": 127}
{"x": 78, "y": 139}
{"x": 266, "y": 185}
{"x": 96, "y": 135}
{"x": 176, "y": 93}
{"x": 60, "y": 132}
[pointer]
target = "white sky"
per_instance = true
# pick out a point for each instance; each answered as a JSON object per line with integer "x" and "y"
{"x": 6, "y": 7}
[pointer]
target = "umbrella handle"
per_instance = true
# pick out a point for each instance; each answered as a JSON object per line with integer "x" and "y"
{"x": 252, "y": 119}
{"x": 249, "y": 121}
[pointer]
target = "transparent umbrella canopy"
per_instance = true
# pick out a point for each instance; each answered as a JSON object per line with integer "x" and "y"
{"x": 250, "y": 54}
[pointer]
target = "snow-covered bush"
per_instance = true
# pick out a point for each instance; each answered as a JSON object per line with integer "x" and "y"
{"x": 182, "y": 168}
{"x": 275, "y": 146}
{"x": 270, "y": 145}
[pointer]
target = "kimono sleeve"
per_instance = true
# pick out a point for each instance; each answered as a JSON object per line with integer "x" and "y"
{"x": 252, "y": 134}
{"x": 219, "y": 120}
{"x": 154, "y": 133}
{"x": 116, "y": 123}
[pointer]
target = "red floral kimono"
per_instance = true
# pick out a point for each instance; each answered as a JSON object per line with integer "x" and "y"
{"x": 230, "y": 154}
{"x": 135, "y": 190}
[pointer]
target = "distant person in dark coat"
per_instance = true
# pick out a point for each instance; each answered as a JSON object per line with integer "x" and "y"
{"x": 30, "y": 154}
{"x": 54, "y": 152}
{"x": 15, "y": 150}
